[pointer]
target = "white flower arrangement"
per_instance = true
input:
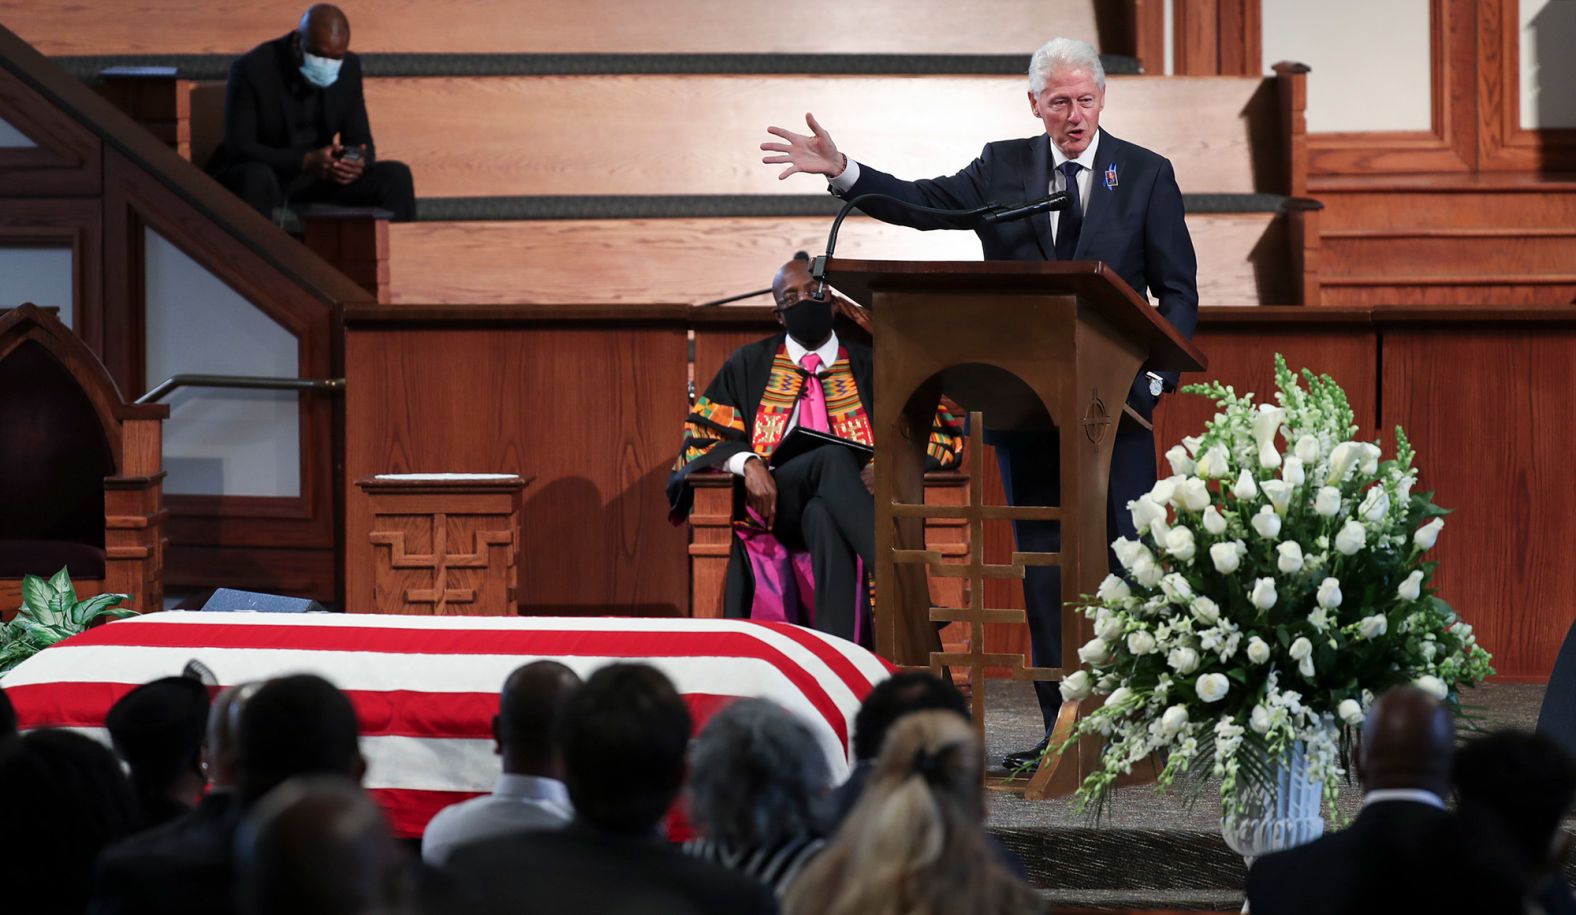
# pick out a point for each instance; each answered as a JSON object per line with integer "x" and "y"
{"x": 1279, "y": 583}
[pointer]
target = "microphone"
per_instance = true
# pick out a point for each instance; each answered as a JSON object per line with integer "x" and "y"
{"x": 1057, "y": 201}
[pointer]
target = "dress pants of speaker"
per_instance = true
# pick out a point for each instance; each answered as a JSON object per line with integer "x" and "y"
{"x": 1031, "y": 474}
{"x": 824, "y": 508}
{"x": 385, "y": 184}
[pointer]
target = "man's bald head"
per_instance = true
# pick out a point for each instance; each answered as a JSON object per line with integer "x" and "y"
{"x": 528, "y": 710}
{"x": 1408, "y": 741}
{"x": 792, "y": 277}
{"x": 324, "y": 31}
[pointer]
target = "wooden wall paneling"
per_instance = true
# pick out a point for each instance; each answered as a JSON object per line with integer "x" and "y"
{"x": 1217, "y": 37}
{"x": 504, "y": 135}
{"x": 1503, "y": 144}
{"x": 67, "y": 158}
{"x": 1149, "y": 36}
{"x": 60, "y": 27}
{"x": 1302, "y": 226}
{"x": 161, "y": 103}
{"x": 593, "y": 411}
{"x": 1422, "y": 290}
{"x": 65, "y": 223}
{"x": 1488, "y": 410}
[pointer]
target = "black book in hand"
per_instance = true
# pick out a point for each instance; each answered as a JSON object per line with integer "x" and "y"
{"x": 800, "y": 440}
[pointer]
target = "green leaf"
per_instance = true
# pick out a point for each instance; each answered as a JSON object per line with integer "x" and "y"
{"x": 35, "y": 595}
{"x": 85, "y": 612}
{"x": 61, "y": 582}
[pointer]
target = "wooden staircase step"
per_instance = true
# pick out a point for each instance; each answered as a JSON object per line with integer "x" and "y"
{"x": 1434, "y": 289}
{"x": 1506, "y": 253}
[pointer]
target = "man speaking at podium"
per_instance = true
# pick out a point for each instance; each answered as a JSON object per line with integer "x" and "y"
{"x": 1124, "y": 208}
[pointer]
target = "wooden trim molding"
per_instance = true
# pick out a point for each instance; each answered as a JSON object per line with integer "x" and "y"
{"x": 1149, "y": 36}
{"x": 65, "y": 223}
{"x": 1503, "y": 144}
{"x": 1217, "y": 38}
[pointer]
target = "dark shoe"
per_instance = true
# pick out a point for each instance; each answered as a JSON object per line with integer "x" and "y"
{"x": 1026, "y": 759}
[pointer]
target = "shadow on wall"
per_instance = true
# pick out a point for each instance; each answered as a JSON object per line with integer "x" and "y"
{"x": 1552, "y": 36}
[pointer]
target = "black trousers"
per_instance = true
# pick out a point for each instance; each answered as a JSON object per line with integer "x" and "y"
{"x": 824, "y": 508}
{"x": 385, "y": 184}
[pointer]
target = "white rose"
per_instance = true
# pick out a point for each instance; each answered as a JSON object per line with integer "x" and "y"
{"x": 1267, "y": 422}
{"x": 1108, "y": 628}
{"x": 1259, "y": 719}
{"x": 1292, "y": 471}
{"x": 1327, "y": 504}
{"x": 1368, "y": 458}
{"x": 1215, "y": 463}
{"x": 1412, "y": 587}
{"x": 1163, "y": 490}
{"x": 1305, "y": 667}
{"x": 1127, "y": 551}
{"x": 1159, "y": 530}
{"x": 1212, "y": 687}
{"x": 1207, "y": 611}
{"x": 1227, "y": 557}
{"x": 1266, "y": 523}
{"x": 1118, "y": 696}
{"x": 1076, "y": 686}
{"x": 1403, "y": 488}
{"x": 1373, "y": 626}
{"x": 1094, "y": 651}
{"x": 1215, "y": 522}
{"x": 1279, "y": 494}
{"x": 1176, "y": 589}
{"x": 1145, "y": 511}
{"x": 1146, "y": 571}
{"x": 1141, "y": 643}
{"x": 1263, "y": 594}
{"x": 1174, "y": 719}
{"x": 1349, "y": 539}
{"x": 1181, "y": 462}
{"x": 1192, "y": 494}
{"x": 1350, "y": 711}
{"x": 1425, "y": 536}
{"x": 1113, "y": 588}
{"x": 1268, "y": 456}
{"x": 1300, "y": 649}
{"x": 1244, "y": 489}
{"x": 1329, "y": 596}
{"x": 1307, "y": 450}
{"x": 1183, "y": 660}
{"x": 1289, "y": 560}
{"x": 1179, "y": 543}
{"x": 1258, "y": 650}
{"x": 1341, "y": 458}
{"x": 1374, "y": 504}
{"x": 1433, "y": 686}
{"x": 1191, "y": 443}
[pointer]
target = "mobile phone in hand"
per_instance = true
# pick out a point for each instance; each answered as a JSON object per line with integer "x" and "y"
{"x": 351, "y": 154}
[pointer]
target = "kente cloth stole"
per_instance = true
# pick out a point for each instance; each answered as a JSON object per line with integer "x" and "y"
{"x": 846, "y": 414}
{"x": 708, "y": 423}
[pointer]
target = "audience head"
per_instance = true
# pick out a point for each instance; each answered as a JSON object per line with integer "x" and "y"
{"x": 623, "y": 736}
{"x": 318, "y": 846}
{"x": 915, "y": 841}
{"x": 157, "y": 729}
{"x": 296, "y": 725}
{"x": 756, "y": 772}
{"x": 1408, "y": 741}
{"x": 324, "y": 31}
{"x": 64, "y": 800}
{"x": 7, "y": 719}
{"x": 224, "y": 719}
{"x": 896, "y": 696}
{"x": 529, "y": 708}
{"x": 1523, "y": 782}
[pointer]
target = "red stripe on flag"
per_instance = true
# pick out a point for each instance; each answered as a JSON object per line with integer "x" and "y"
{"x": 839, "y": 663}
{"x": 409, "y": 810}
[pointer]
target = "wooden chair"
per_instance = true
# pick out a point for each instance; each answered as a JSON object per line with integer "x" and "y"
{"x": 81, "y": 474}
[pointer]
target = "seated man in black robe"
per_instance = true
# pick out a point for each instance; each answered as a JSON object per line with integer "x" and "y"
{"x": 296, "y": 129}
{"x": 815, "y": 509}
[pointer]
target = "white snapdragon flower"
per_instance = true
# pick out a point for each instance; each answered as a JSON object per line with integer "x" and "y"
{"x": 1127, "y": 551}
{"x": 1212, "y": 687}
{"x": 1289, "y": 557}
{"x": 1266, "y": 523}
{"x": 1215, "y": 463}
{"x": 1207, "y": 611}
{"x": 1141, "y": 643}
{"x": 1191, "y": 443}
{"x": 1329, "y": 595}
{"x": 1279, "y": 494}
{"x": 1094, "y": 651}
{"x": 1374, "y": 505}
{"x": 1245, "y": 490}
{"x": 1076, "y": 686}
{"x": 1263, "y": 594}
{"x": 1403, "y": 487}
{"x": 1307, "y": 450}
{"x": 1146, "y": 571}
{"x": 1183, "y": 660}
{"x": 1350, "y": 712}
{"x": 1214, "y": 522}
{"x": 1145, "y": 511}
{"x": 1266, "y": 423}
{"x": 1258, "y": 650}
{"x": 1227, "y": 557}
{"x": 1349, "y": 539}
{"x": 1433, "y": 686}
{"x": 1176, "y": 589}
{"x": 1180, "y": 543}
{"x": 1327, "y": 503}
{"x": 1113, "y": 588}
{"x": 1192, "y": 495}
{"x": 1412, "y": 587}
{"x": 1372, "y": 627}
{"x": 1181, "y": 462}
{"x": 1259, "y": 720}
{"x": 1292, "y": 471}
{"x": 1425, "y": 536}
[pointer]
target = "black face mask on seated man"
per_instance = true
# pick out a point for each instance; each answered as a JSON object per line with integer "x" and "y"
{"x": 809, "y": 321}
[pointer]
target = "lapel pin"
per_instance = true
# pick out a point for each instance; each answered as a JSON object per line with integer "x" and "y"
{"x": 1110, "y": 176}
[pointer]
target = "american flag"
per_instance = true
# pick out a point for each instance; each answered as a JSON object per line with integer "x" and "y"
{"x": 426, "y": 688}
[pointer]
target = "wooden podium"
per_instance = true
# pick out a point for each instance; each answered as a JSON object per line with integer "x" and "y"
{"x": 1019, "y": 345}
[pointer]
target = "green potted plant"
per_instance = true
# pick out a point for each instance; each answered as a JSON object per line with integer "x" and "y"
{"x": 50, "y": 612}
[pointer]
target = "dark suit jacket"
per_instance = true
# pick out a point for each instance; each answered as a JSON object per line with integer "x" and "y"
{"x": 263, "y": 86}
{"x": 580, "y": 870}
{"x": 1136, "y": 227}
{"x": 181, "y": 867}
{"x": 1397, "y": 856}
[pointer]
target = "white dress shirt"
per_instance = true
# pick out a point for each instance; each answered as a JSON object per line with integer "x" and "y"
{"x": 796, "y": 351}
{"x": 1057, "y": 181}
{"x": 518, "y": 803}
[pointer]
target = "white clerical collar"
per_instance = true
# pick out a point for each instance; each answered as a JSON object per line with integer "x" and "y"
{"x": 1085, "y": 158}
{"x": 1414, "y": 795}
{"x": 827, "y": 351}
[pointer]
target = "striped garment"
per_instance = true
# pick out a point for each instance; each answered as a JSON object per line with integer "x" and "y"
{"x": 426, "y": 688}
{"x": 774, "y": 867}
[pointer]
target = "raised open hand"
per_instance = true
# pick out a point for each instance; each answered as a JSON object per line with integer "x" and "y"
{"x": 815, "y": 154}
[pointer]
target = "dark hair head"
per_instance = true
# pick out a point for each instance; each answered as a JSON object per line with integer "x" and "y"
{"x": 756, "y": 775}
{"x": 896, "y": 696}
{"x": 1524, "y": 781}
{"x": 532, "y": 701}
{"x": 7, "y": 719}
{"x": 623, "y": 736}
{"x": 158, "y": 730}
{"x": 297, "y": 725}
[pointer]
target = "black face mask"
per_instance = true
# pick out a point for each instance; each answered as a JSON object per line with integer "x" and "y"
{"x": 809, "y": 321}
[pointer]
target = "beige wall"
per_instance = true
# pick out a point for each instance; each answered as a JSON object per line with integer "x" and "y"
{"x": 1370, "y": 60}
{"x": 1548, "y": 63}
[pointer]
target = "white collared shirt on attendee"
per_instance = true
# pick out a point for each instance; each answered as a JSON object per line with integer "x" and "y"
{"x": 518, "y": 802}
{"x": 1413, "y": 795}
{"x": 796, "y": 351}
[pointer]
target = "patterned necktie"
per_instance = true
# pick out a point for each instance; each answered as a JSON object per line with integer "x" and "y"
{"x": 812, "y": 409}
{"x": 1071, "y": 219}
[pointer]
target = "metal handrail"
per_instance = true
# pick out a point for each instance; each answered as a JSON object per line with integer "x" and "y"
{"x": 256, "y": 382}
